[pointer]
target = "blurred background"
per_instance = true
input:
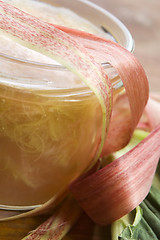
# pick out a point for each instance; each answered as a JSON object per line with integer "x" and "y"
{"x": 142, "y": 18}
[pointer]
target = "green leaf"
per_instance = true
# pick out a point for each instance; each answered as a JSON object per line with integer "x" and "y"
{"x": 126, "y": 225}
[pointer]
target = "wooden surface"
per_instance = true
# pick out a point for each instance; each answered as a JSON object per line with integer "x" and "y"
{"x": 142, "y": 19}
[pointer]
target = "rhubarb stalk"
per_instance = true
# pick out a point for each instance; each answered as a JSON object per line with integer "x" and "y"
{"x": 58, "y": 225}
{"x": 54, "y": 43}
{"x": 134, "y": 80}
{"x": 118, "y": 188}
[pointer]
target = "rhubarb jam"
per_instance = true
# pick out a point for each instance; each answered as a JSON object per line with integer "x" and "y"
{"x": 45, "y": 142}
{"x": 50, "y": 121}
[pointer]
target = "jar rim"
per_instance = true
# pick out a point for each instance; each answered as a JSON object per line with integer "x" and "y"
{"x": 128, "y": 44}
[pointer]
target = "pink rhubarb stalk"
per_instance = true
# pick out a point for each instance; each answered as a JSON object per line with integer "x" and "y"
{"x": 152, "y": 111}
{"x": 134, "y": 80}
{"x": 151, "y": 116}
{"x": 58, "y": 225}
{"x": 118, "y": 188}
{"x": 127, "y": 66}
{"x": 54, "y": 43}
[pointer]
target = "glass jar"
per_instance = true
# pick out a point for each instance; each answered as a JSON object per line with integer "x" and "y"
{"x": 50, "y": 121}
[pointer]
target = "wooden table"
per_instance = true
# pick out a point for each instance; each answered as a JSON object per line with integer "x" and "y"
{"x": 142, "y": 19}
